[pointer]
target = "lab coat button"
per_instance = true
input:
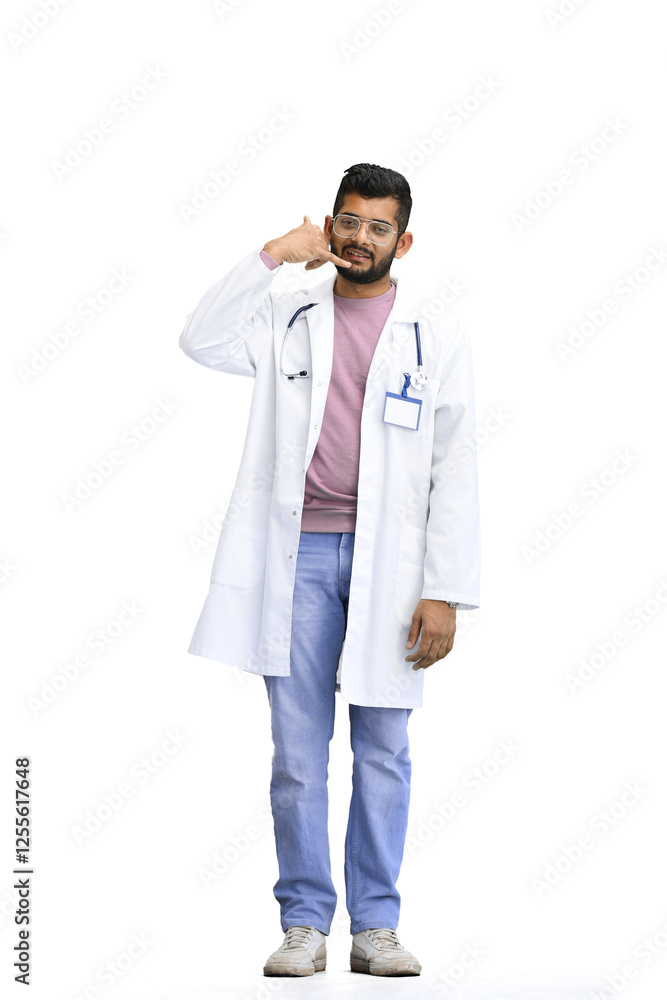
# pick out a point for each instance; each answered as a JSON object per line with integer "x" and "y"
{"x": 319, "y": 383}
{"x": 294, "y": 512}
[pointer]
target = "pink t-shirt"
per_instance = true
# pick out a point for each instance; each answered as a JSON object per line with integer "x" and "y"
{"x": 330, "y": 500}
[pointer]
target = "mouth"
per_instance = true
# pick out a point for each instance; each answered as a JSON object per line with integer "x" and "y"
{"x": 357, "y": 255}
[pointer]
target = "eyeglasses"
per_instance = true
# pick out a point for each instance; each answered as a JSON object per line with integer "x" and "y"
{"x": 348, "y": 225}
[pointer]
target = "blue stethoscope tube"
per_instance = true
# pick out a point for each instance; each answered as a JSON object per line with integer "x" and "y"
{"x": 304, "y": 373}
{"x": 301, "y": 374}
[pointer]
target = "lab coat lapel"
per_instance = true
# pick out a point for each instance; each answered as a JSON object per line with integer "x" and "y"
{"x": 320, "y": 331}
{"x": 399, "y": 328}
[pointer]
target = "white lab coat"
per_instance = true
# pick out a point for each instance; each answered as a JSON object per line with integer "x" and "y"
{"x": 417, "y": 525}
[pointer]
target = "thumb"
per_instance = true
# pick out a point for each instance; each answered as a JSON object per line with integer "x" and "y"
{"x": 413, "y": 633}
{"x": 306, "y": 220}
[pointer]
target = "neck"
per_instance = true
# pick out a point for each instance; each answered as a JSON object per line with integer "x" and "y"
{"x": 352, "y": 290}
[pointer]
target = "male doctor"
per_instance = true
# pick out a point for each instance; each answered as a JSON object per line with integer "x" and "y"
{"x": 352, "y": 535}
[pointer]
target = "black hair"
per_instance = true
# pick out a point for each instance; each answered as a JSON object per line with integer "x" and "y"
{"x": 371, "y": 181}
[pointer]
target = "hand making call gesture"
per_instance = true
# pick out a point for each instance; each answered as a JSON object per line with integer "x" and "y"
{"x": 304, "y": 242}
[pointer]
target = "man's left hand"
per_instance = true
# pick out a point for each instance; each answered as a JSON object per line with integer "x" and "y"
{"x": 437, "y": 622}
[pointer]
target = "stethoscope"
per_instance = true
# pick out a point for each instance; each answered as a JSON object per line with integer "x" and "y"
{"x": 418, "y": 379}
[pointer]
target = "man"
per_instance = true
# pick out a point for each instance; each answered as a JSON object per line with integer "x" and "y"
{"x": 352, "y": 535}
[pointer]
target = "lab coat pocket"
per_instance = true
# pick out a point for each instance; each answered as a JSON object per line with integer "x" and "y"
{"x": 240, "y": 559}
{"x": 410, "y": 573}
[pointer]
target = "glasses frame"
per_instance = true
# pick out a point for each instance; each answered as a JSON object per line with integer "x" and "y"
{"x": 368, "y": 222}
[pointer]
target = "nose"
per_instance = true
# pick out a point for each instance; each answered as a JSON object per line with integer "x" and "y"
{"x": 362, "y": 243}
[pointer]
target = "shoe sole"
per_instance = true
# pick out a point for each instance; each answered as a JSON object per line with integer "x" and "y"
{"x": 362, "y": 965}
{"x": 319, "y": 964}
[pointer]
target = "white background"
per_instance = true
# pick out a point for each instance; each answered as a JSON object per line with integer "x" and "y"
{"x": 356, "y": 92}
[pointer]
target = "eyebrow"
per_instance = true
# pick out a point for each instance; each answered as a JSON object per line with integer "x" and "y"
{"x": 354, "y": 216}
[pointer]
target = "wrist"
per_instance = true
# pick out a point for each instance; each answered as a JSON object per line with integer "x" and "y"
{"x": 273, "y": 250}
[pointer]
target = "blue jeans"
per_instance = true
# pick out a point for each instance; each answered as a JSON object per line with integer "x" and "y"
{"x": 302, "y": 723}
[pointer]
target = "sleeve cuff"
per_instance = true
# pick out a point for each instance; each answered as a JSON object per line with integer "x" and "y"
{"x": 268, "y": 260}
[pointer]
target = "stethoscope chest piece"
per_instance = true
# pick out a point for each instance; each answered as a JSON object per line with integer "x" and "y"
{"x": 418, "y": 379}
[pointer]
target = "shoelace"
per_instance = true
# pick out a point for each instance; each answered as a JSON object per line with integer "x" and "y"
{"x": 384, "y": 937}
{"x": 297, "y": 937}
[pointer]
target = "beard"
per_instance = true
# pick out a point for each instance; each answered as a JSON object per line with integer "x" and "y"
{"x": 362, "y": 274}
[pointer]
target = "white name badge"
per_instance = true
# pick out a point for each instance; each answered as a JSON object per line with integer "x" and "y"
{"x": 402, "y": 410}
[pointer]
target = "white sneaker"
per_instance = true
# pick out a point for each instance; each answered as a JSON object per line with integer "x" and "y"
{"x": 379, "y": 952}
{"x": 303, "y": 952}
